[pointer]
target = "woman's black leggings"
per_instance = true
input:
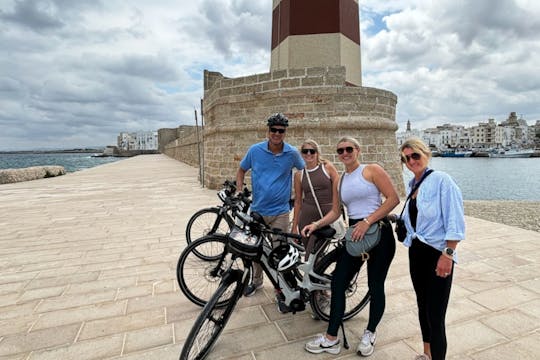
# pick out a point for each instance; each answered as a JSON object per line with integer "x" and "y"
{"x": 432, "y": 295}
{"x": 347, "y": 266}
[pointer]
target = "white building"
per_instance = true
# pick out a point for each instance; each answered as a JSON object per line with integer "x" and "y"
{"x": 142, "y": 140}
{"x": 512, "y": 132}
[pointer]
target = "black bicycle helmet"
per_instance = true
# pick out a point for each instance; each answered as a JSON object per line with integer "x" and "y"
{"x": 278, "y": 119}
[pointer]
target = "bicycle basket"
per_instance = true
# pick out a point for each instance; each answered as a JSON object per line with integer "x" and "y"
{"x": 244, "y": 244}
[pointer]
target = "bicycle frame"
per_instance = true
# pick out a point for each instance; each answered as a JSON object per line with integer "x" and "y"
{"x": 296, "y": 297}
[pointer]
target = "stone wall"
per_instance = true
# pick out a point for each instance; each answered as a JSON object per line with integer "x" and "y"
{"x": 185, "y": 148}
{"x": 317, "y": 102}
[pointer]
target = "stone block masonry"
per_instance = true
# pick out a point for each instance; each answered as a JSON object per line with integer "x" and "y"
{"x": 319, "y": 104}
{"x": 30, "y": 173}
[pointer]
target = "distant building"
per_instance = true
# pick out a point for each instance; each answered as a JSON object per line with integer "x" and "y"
{"x": 142, "y": 140}
{"x": 512, "y": 132}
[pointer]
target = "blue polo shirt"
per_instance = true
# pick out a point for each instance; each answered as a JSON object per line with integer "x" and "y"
{"x": 271, "y": 177}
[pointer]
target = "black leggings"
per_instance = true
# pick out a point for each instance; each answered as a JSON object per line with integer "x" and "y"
{"x": 432, "y": 295}
{"x": 347, "y": 266}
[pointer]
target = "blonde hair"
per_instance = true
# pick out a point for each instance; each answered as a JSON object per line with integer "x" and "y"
{"x": 416, "y": 145}
{"x": 350, "y": 139}
{"x": 317, "y": 148}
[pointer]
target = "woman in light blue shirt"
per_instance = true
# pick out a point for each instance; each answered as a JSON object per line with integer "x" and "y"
{"x": 435, "y": 225}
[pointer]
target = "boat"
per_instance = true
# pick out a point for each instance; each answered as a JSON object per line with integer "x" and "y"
{"x": 456, "y": 153}
{"x": 511, "y": 153}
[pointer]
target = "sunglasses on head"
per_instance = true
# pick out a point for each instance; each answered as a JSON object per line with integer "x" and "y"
{"x": 309, "y": 151}
{"x": 276, "y": 130}
{"x": 414, "y": 156}
{"x": 348, "y": 149}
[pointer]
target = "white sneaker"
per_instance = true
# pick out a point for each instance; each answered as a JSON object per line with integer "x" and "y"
{"x": 321, "y": 344}
{"x": 422, "y": 357}
{"x": 366, "y": 346}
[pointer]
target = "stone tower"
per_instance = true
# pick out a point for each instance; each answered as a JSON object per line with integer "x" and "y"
{"x": 316, "y": 33}
{"x": 315, "y": 80}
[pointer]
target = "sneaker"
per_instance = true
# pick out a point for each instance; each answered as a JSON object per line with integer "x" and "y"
{"x": 321, "y": 344}
{"x": 422, "y": 357}
{"x": 281, "y": 306}
{"x": 366, "y": 346}
{"x": 251, "y": 289}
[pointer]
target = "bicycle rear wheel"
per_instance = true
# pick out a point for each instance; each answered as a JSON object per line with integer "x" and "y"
{"x": 212, "y": 319}
{"x": 357, "y": 294}
{"x": 205, "y": 222}
{"x": 201, "y": 266}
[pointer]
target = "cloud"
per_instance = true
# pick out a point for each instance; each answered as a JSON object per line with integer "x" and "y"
{"x": 77, "y": 73}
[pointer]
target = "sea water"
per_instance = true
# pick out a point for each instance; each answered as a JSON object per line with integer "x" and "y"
{"x": 478, "y": 178}
{"x": 70, "y": 161}
{"x": 491, "y": 178}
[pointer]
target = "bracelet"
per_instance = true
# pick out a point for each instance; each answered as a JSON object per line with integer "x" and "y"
{"x": 366, "y": 221}
{"x": 316, "y": 223}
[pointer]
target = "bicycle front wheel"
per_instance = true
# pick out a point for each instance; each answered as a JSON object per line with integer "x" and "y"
{"x": 201, "y": 266}
{"x": 212, "y": 319}
{"x": 357, "y": 294}
{"x": 205, "y": 222}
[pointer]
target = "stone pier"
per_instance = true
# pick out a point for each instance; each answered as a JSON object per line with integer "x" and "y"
{"x": 88, "y": 261}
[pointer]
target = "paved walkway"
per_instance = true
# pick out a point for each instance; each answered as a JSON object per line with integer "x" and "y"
{"x": 87, "y": 271}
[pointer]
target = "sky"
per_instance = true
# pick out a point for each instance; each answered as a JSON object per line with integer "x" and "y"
{"x": 76, "y": 73}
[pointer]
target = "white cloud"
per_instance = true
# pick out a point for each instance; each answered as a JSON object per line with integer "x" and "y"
{"x": 76, "y": 73}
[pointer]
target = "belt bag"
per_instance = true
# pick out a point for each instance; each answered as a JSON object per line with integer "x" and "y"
{"x": 362, "y": 247}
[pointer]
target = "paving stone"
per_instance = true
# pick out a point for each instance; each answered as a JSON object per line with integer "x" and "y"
{"x": 75, "y": 300}
{"x": 112, "y": 234}
{"x": 512, "y": 323}
{"x": 40, "y": 339}
{"x": 524, "y": 348}
{"x": 505, "y": 297}
{"x": 80, "y": 314}
{"x": 41, "y": 293}
{"x": 149, "y": 337}
{"x": 170, "y": 352}
{"x": 484, "y": 337}
{"x": 120, "y": 324}
{"x": 101, "y": 348}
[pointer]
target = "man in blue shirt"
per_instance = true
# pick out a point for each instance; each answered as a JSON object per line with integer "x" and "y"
{"x": 271, "y": 163}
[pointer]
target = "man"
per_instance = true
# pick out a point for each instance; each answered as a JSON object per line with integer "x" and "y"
{"x": 271, "y": 163}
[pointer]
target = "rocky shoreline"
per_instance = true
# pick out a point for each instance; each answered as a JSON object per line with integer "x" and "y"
{"x": 523, "y": 214}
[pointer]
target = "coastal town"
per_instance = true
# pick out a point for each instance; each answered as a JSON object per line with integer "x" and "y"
{"x": 512, "y": 137}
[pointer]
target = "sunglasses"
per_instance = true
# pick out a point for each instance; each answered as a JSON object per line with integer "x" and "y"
{"x": 348, "y": 149}
{"x": 276, "y": 130}
{"x": 414, "y": 156}
{"x": 309, "y": 151}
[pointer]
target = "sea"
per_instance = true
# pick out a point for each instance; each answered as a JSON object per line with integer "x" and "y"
{"x": 478, "y": 178}
{"x": 491, "y": 178}
{"x": 70, "y": 161}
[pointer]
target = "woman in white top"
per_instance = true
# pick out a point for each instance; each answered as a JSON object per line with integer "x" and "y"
{"x": 362, "y": 189}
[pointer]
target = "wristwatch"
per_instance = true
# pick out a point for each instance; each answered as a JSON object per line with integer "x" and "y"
{"x": 448, "y": 252}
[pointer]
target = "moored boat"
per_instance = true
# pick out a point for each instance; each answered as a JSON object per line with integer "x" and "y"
{"x": 512, "y": 153}
{"x": 456, "y": 153}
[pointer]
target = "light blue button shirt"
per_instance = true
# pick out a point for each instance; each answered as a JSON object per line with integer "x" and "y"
{"x": 440, "y": 212}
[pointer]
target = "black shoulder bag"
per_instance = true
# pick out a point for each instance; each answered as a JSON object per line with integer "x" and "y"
{"x": 401, "y": 230}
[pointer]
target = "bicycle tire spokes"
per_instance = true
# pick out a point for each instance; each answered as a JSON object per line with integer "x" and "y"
{"x": 200, "y": 276}
{"x": 212, "y": 320}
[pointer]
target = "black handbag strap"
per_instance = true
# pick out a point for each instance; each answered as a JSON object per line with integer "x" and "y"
{"x": 415, "y": 187}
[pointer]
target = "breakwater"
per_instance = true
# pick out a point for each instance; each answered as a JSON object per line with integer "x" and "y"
{"x": 8, "y": 176}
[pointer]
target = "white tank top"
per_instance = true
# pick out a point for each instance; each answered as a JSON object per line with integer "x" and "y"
{"x": 360, "y": 196}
